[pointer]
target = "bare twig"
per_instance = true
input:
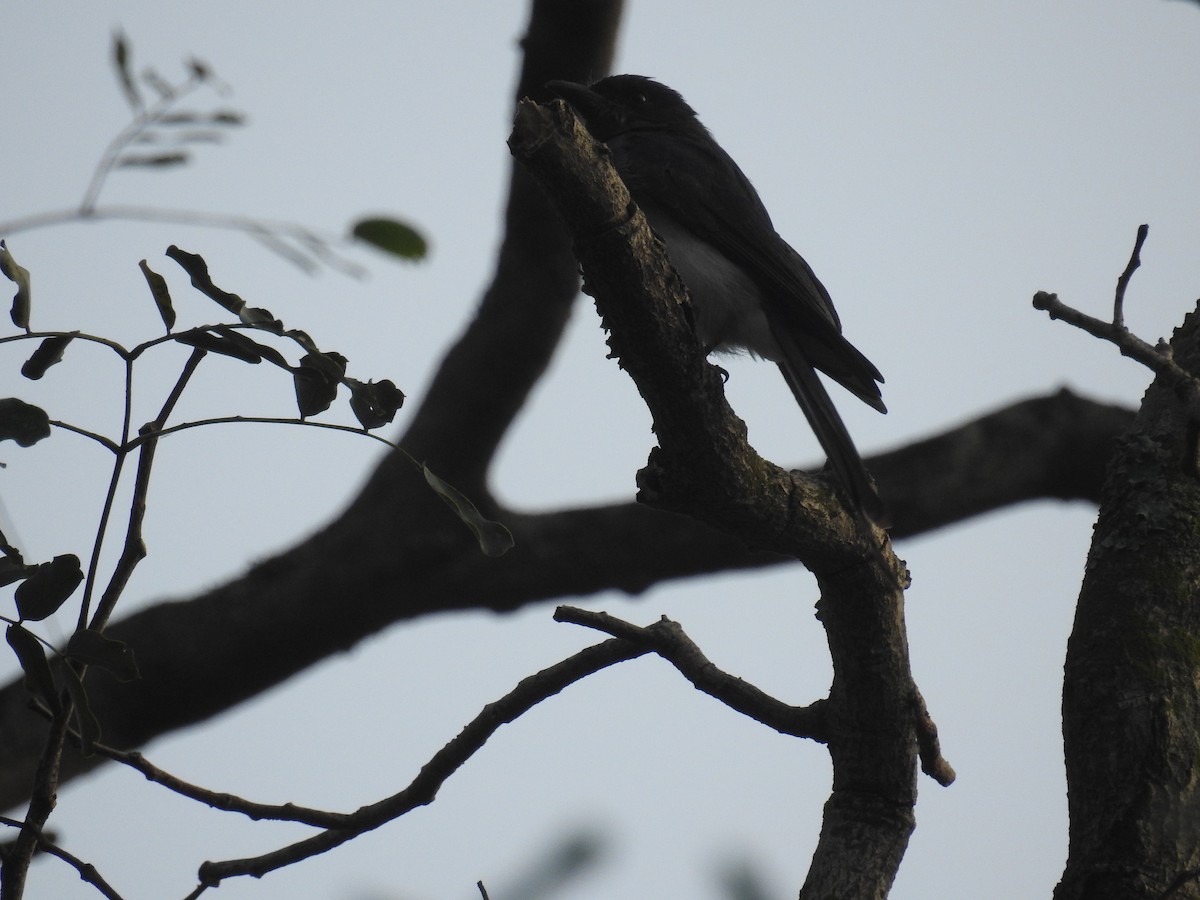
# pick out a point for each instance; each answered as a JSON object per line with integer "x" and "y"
{"x": 143, "y": 120}
{"x": 286, "y": 812}
{"x": 423, "y": 789}
{"x": 668, "y": 640}
{"x": 1135, "y": 260}
{"x": 133, "y": 550}
{"x": 87, "y": 872}
{"x": 110, "y": 495}
{"x": 1158, "y": 359}
{"x": 928, "y": 746}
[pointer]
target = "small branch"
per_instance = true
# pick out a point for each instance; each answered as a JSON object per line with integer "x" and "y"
{"x": 91, "y": 338}
{"x": 127, "y": 135}
{"x": 109, "y": 497}
{"x": 87, "y": 872}
{"x": 287, "y": 812}
{"x": 83, "y": 432}
{"x": 271, "y": 233}
{"x": 667, "y": 639}
{"x": 148, "y": 435}
{"x": 1158, "y": 359}
{"x": 928, "y": 746}
{"x": 423, "y": 789}
{"x": 134, "y": 549}
{"x": 1135, "y": 260}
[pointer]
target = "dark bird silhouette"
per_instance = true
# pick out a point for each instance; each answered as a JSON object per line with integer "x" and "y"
{"x": 749, "y": 289}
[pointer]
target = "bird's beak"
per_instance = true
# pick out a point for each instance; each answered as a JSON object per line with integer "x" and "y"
{"x": 594, "y": 109}
{"x": 567, "y": 89}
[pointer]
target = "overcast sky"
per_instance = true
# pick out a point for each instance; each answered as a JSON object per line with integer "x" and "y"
{"x": 935, "y": 162}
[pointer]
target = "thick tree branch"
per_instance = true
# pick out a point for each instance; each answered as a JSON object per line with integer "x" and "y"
{"x": 704, "y": 467}
{"x": 1131, "y": 695}
{"x": 396, "y": 553}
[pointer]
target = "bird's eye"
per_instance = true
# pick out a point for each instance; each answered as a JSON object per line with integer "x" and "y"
{"x": 639, "y": 99}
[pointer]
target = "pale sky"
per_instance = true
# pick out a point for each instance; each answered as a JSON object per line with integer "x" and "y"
{"x": 936, "y": 163}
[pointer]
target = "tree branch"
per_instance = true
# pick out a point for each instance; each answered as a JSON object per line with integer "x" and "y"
{"x": 704, "y": 467}
{"x": 1130, "y": 698}
{"x": 424, "y": 788}
{"x": 397, "y": 553}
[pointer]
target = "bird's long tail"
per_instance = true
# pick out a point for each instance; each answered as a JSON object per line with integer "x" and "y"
{"x": 823, "y": 417}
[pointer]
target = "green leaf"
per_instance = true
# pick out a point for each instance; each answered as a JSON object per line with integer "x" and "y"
{"x": 197, "y": 270}
{"x": 162, "y": 296}
{"x": 93, "y": 648}
{"x": 316, "y": 379}
{"x": 494, "y": 539}
{"x": 85, "y": 719}
{"x": 121, "y": 60}
{"x": 19, "y": 276}
{"x": 23, "y": 423}
{"x": 392, "y": 237}
{"x": 151, "y": 160}
{"x": 49, "y": 352}
{"x": 47, "y": 587}
{"x": 374, "y": 404}
{"x": 238, "y": 348}
{"x": 32, "y": 656}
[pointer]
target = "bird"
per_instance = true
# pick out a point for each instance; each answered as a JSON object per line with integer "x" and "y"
{"x": 749, "y": 289}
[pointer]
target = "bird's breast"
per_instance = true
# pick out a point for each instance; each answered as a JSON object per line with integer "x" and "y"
{"x": 726, "y": 304}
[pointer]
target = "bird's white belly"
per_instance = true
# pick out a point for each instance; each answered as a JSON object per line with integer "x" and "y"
{"x": 726, "y": 304}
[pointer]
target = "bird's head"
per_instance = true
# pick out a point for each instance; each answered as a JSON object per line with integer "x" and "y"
{"x": 622, "y": 103}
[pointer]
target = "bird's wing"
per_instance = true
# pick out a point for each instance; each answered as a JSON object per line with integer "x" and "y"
{"x": 728, "y": 214}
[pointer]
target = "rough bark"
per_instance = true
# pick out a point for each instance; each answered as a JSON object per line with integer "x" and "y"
{"x": 1131, "y": 698}
{"x": 703, "y": 467}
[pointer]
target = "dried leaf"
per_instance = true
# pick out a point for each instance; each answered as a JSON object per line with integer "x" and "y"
{"x": 48, "y": 587}
{"x": 22, "y": 422}
{"x": 162, "y": 296}
{"x": 49, "y": 352}
{"x": 494, "y": 539}
{"x": 19, "y": 276}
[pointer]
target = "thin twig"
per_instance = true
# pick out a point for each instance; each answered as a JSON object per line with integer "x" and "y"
{"x": 83, "y": 432}
{"x": 286, "y": 812}
{"x": 667, "y": 639}
{"x": 270, "y": 232}
{"x": 143, "y": 120}
{"x": 133, "y": 550}
{"x": 87, "y": 871}
{"x": 148, "y": 435}
{"x": 1158, "y": 359}
{"x": 110, "y": 496}
{"x": 1135, "y": 260}
{"x": 41, "y": 335}
{"x": 423, "y": 789}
